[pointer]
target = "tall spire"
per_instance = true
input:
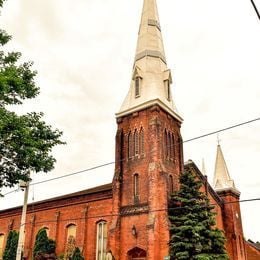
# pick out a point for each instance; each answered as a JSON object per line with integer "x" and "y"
{"x": 222, "y": 178}
{"x": 151, "y": 79}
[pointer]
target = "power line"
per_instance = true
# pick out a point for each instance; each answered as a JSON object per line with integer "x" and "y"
{"x": 252, "y": 2}
{"x": 118, "y": 214}
{"x": 110, "y": 163}
{"x": 221, "y": 130}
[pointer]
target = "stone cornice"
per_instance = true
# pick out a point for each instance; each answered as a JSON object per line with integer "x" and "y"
{"x": 147, "y": 105}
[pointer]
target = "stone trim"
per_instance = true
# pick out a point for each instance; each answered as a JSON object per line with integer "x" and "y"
{"x": 133, "y": 210}
{"x": 150, "y": 53}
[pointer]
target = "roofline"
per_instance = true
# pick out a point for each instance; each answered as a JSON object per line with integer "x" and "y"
{"x": 252, "y": 243}
{"x": 214, "y": 194}
{"x": 97, "y": 189}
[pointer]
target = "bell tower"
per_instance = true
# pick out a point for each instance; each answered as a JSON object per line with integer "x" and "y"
{"x": 149, "y": 154}
{"x": 226, "y": 189}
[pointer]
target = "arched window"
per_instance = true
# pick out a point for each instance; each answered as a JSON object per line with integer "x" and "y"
{"x": 173, "y": 146}
{"x": 170, "y": 145}
{"x": 70, "y": 241}
{"x": 2, "y": 238}
{"x": 130, "y": 145}
{"x": 136, "y": 188}
{"x": 170, "y": 184}
{"x": 137, "y": 86}
{"x": 165, "y": 144}
{"x": 71, "y": 230}
{"x": 136, "y": 143}
{"x": 101, "y": 240}
{"x": 180, "y": 145}
{"x": 141, "y": 142}
{"x": 168, "y": 90}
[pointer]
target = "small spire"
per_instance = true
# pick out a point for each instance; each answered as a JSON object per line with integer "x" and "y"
{"x": 203, "y": 168}
{"x": 222, "y": 178}
{"x": 151, "y": 79}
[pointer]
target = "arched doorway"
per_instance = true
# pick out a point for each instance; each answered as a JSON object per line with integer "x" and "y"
{"x": 136, "y": 254}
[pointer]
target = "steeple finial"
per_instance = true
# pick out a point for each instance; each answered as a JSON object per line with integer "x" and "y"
{"x": 222, "y": 178}
{"x": 151, "y": 79}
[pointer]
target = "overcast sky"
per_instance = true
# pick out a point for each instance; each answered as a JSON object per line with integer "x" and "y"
{"x": 84, "y": 51}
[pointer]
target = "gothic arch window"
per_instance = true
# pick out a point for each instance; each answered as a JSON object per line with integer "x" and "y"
{"x": 136, "y": 143}
{"x": 168, "y": 90}
{"x": 165, "y": 144}
{"x": 136, "y": 188}
{"x": 173, "y": 146}
{"x": 130, "y": 145}
{"x": 180, "y": 145}
{"x": 141, "y": 141}
{"x": 137, "y": 86}
{"x": 169, "y": 147}
{"x": 2, "y": 238}
{"x": 101, "y": 246}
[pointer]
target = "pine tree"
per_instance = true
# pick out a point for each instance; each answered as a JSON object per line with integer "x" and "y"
{"x": 193, "y": 235}
{"x": 11, "y": 246}
{"x": 77, "y": 255}
{"x": 43, "y": 245}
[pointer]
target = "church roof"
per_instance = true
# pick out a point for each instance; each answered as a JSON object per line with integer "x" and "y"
{"x": 150, "y": 67}
{"x": 222, "y": 180}
{"x": 96, "y": 193}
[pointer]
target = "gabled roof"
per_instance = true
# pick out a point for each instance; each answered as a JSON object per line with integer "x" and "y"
{"x": 191, "y": 165}
{"x": 92, "y": 194}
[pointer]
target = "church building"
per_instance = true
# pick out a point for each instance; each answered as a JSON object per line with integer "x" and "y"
{"x": 128, "y": 218}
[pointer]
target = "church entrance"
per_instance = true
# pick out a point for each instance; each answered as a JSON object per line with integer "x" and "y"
{"x": 136, "y": 254}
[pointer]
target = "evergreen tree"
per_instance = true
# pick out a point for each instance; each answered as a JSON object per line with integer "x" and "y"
{"x": 77, "y": 255}
{"x": 43, "y": 245}
{"x": 26, "y": 140}
{"x": 11, "y": 246}
{"x": 193, "y": 235}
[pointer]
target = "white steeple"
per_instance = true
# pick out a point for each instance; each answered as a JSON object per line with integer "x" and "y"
{"x": 222, "y": 180}
{"x": 151, "y": 79}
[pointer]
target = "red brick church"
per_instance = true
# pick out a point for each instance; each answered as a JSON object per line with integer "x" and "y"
{"x": 128, "y": 219}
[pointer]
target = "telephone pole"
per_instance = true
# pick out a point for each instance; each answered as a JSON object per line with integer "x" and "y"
{"x": 20, "y": 248}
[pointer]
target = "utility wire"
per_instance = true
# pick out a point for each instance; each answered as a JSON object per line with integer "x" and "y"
{"x": 255, "y": 9}
{"x": 110, "y": 163}
{"x": 118, "y": 214}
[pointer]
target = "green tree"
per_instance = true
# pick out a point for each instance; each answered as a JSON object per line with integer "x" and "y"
{"x": 26, "y": 141}
{"x": 43, "y": 245}
{"x": 77, "y": 255}
{"x": 11, "y": 246}
{"x": 193, "y": 234}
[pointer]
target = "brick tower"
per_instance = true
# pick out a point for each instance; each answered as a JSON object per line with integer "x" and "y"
{"x": 148, "y": 151}
{"x": 225, "y": 188}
